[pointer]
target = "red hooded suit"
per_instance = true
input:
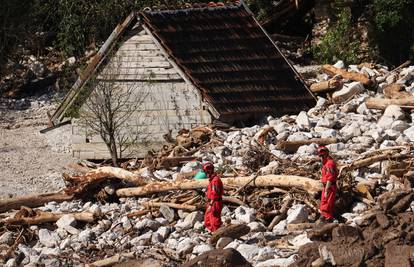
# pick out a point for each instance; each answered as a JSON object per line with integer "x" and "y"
{"x": 212, "y": 217}
{"x": 329, "y": 173}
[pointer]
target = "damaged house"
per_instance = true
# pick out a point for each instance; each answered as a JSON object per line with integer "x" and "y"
{"x": 195, "y": 65}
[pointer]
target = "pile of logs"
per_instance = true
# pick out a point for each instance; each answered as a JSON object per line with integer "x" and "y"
{"x": 395, "y": 93}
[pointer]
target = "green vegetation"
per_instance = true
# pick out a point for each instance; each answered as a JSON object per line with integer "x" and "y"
{"x": 339, "y": 42}
{"x": 73, "y": 25}
{"x": 392, "y": 30}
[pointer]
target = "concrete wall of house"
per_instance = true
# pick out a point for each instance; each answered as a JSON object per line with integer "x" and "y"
{"x": 170, "y": 103}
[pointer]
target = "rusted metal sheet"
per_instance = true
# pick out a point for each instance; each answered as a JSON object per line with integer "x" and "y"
{"x": 90, "y": 69}
{"x": 229, "y": 57}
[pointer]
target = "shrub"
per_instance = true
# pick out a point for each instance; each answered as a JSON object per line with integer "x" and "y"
{"x": 393, "y": 29}
{"x": 339, "y": 42}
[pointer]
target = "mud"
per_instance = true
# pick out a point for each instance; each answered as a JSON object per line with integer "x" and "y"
{"x": 386, "y": 240}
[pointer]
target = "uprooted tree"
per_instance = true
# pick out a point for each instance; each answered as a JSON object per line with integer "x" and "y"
{"x": 112, "y": 111}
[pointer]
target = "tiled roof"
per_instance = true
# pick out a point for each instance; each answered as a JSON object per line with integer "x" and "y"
{"x": 229, "y": 57}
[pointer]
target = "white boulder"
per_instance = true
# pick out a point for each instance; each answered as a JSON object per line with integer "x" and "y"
{"x": 297, "y": 214}
{"x": 347, "y": 92}
{"x": 245, "y": 214}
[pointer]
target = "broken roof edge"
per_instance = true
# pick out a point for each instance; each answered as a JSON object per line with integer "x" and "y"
{"x": 57, "y": 117}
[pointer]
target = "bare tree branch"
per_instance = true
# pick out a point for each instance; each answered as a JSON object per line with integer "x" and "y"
{"x": 109, "y": 108}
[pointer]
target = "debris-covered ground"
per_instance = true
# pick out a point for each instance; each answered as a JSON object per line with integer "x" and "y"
{"x": 31, "y": 162}
{"x": 152, "y": 210}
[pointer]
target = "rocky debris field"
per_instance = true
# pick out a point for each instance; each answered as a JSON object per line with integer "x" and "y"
{"x": 151, "y": 211}
{"x": 30, "y": 162}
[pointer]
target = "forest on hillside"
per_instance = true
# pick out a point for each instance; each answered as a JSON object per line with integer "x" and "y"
{"x": 355, "y": 30}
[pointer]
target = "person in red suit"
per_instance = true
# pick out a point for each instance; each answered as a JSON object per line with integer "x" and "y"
{"x": 329, "y": 176}
{"x": 212, "y": 217}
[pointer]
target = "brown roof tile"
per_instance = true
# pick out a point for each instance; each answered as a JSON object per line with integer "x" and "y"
{"x": 228, "y": 56}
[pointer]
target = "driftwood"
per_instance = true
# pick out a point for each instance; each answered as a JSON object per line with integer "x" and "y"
{"x": 382, "y": 103}
{"x": 33, "y": 201}
{"x": 354, "y": 76}
{"x": 284, "y": 181}
{"x": 292, "y": 146}
{"x": 171, "y": 205}
{"x": 282, "y": 214}
{"x": 326, "y": 86}
{"x": 233, "y": 230}
{"x": 396, "y": 91}
{"x": 389, "y": 155}
{"x": 80, "y": 184}
{"x": 39, "y": 217}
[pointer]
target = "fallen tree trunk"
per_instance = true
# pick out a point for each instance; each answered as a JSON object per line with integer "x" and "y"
{"x": 47, "y": 217}
{"x": 80, "y": 184}
{"x": 383, "y": 103}
{"x": 326, "y": 86}
{"x": 292, "y": 146}
{"x": 368, "y": 161}
{"x": 354, "y": 76}
{"x": 33, "y": 201}
{"x": 284, "y": 181}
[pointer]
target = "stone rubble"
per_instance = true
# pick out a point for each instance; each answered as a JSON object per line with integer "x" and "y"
{"x": 357, "y": 129}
